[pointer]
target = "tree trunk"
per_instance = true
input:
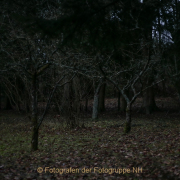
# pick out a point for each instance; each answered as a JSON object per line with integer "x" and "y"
{"x": 8, "y": 105}
{"x": 164, "y": 88}
{"x": 101, "y": 104}
{"x": 149, "y": 104}
{"x": 95, "y": 106}
{"x": 127, "y": 128}
{"x": 65, "y": 104}
{"x": 27, "y": 107}
{"x": 86, "y": 104}
{"x": 0, "y": 101}
{"x": 34, "y": 142}
{"x": 123, "y": 104}
{"x": 119, "y": 95}
{"x": 96, "y": 102}
{"x": 177, "y": 86}
{"x": 77, "y": 89}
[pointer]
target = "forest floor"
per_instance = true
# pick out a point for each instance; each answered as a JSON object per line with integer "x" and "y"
{"x": 100, "y": 150}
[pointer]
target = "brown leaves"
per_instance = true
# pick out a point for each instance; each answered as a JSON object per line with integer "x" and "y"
{"x": 149, "y": 146}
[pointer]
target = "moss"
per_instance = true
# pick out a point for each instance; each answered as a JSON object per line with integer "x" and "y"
{"x": 127, "y": 128}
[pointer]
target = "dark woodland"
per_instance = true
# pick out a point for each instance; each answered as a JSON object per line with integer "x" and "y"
{"x": 90, "y": 89}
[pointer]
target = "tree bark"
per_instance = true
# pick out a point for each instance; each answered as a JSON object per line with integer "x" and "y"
{"x": 34, "y": 142}
{"x": 95, "y": 106}
{"x": 119, "y": 95}
{"x": 7, "y": 104}
{"x": 101, "y": 104}
{"x": 77, "y": 89}
{"x": 96, "y": 102}
{"x": 86, "y": 104}
{"x": 127, "y": 127}
{"x": 149, "y": 104}
{"x": 123, "y": 104}
{"x": 65, "y": 104}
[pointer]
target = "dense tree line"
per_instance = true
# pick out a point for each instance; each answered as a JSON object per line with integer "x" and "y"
{"x": 66, "y": 52}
